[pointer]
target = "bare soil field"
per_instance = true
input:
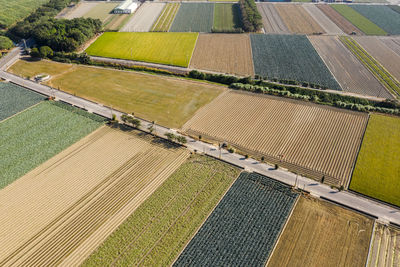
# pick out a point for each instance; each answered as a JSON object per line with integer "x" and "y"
{"x": 329, "y": 26}
{"x": 80, "y": 10}
{"x": 226, "y": 53}
{"x": 383, "y": 54}
{"x": 272, "y": 22}
{"x": 350, "y": 73}
{"x": 297, "y": 19}
{"x": 322, "y": 234}
{"x": 65, "y": 208}
{"x": 385, "y": 248}
{"x": 392, "y": 42}
{"x": 144, "y": 17}
{"x": 309, "y": 139}
{"x": 339, "y": 20}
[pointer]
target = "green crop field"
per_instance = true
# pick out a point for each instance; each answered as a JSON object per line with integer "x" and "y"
{"x": 166, "y": 18}
{"x": 168, "y": 101}
{"x": 194, "y": 17}
{"x": 14, "y": 99}
{"x": 158, "y": 230}
{"x": 37, "y": 134}
{"x": 163, "y": 48}
{"x": 14, "y": 10}
{"x": 358, "y": 20}
{"x": 290, "y": 57}
{"x": 377, "y": 171}
{"x": 227, "y": 17}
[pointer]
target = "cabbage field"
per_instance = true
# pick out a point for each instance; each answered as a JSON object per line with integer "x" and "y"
{"x": 244, "y": 227}
{"x": 37, "y": 134}
{"x": 14, "y": 99}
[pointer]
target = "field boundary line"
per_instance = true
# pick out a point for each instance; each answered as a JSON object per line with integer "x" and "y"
{"x": 282, "y": 230}
{"x": 28, "y": 108}
{"x": 369, "y": 215}
{"x": 194, "y": 48}
{"x": 372, "y": 239}
{"x": 198, "y": 229}
{"x": 251, "y": 53}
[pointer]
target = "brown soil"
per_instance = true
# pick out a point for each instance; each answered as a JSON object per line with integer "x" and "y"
{"x": 340, "y": 21}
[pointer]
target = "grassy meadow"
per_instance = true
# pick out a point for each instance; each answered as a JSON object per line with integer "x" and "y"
{"x": 227, "y": 17}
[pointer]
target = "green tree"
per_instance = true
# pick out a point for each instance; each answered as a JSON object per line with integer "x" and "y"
{"x": 46, "y": 52}
{"x": 5, "y": 43}
{"x": 35, "y": 53}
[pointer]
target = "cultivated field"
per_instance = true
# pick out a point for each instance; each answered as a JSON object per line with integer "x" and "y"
{"x": 166, "y": 18}
{"x": 376, "y": 173}
{"x": 383, "y": 16}
{"x": 14, "y": 99}
{"x": 297, "y": 19}
{"x": 14, "y": 10}
{"x": 163, "y": 48}
{"x": 383, "y": 54}
{"x": 35, "y": 135}
{"x": 392, "y": 42}
{"x": 93, "y": 186}
{"x": 168, "y": 101}
{"x": 328, "y": 26}
{"x": 321, "y": 234}
{"x": 101, "y": 11}
{"x": 227, "y": 17}
{"x": 350, "y": 73}
{"x": 226, "y": 53}
{"x": 144, "y": 17}
{"x": 274, "y": 56}
{"x": 339, "y": 20}
{"x": 307, "y": 138}
{"x": 385, "y": 249}
{"x": 158, "y": 230}
{"x": 272, "y": 22}
{"x": 358, "y": 20}
{"x": 395, "y": 8}
{"x": 194, "y": 17}
{"x": 78, "y": 10}
{"x": 244, "y": 227}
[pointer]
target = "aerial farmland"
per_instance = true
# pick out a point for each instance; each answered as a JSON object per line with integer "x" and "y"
{"x": 200, "y": 133}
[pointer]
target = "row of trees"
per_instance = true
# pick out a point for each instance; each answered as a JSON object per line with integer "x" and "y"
{"x": 58, "y": 34}
{"x": 252, "y": 20}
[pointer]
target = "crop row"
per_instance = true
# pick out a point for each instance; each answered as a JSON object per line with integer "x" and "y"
{"x": 244, "y": 227}
{"x": 166, "y": 18}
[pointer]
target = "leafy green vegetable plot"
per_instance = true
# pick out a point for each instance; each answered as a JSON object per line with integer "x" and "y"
{"x": 377, "y": 171}
{"x": 226, "y": 17}
{"x": 13, "y": 10}
{"x": 194, "y": 17}
{"x": 39, "y": 133}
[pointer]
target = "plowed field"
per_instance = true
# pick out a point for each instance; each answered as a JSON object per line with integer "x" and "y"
{"x": 328, "y": 26}
{"x": 61, "y": 211}
{"x": 297, "y": 19}
{"x": 144, "y": 17}
{"x": 272, "y": 22}
{"x": 392, "y": 42}
{"x": 226, "y": 53}
{"x": 310, "y": 139}
{"x": 349, "y": 72}
{"x": 339, "y": 20}
{"x": 385, "y": 249}
{"x": 321, "y": 234}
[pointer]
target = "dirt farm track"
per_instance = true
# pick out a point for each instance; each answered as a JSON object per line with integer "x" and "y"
{"x": 309, "y": 139}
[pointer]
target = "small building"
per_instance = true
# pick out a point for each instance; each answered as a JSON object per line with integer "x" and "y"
{"x": 126, "y": 7}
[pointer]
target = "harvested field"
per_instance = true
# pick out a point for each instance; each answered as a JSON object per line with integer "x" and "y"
{"x": 144, "y": 17}
{"x": 384, "y": 55}
{"x": 166, "y": 18}
{"x": 244, "y": 227}
{"x": 358, "y": 20}
{"x": 328, "y": 26}
{"x": 351, "y": 74}
{"x": 385, "y": 249}
{"x": 381, "y": 15}
{"x": 163, "y": 48}
{"x": 159, "y": 229}
{"x": 274, "y": 57}
{"x": 339, "y": 20}
{"x": 194, "y": 17}
{"x": 272, "y": 22}
{"x": 168, "y": 101}
{"x": 37, "y": 134}
{"x": 226, "y": 53}
{"x": 306, "y": 138}
{"x": 392, "y": 42}
{"x": 93, "y": 186}
{"x": 376, "y": 173}
{"x": 227, "y": 17}
{"x": 14, "y": 99}
{"x": 297, "y": 19}
{"x": 322, "y": 234}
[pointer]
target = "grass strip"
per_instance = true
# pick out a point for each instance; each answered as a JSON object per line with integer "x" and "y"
{"x": 164, "y": 21}
{"x": 158, "y": 230}
{"x": 374, "y": 66}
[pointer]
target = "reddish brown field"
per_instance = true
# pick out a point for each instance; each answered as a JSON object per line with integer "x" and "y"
{"x": 297, "y": 19}
{"x": 226, "y": 53}
{"x": 340, "y": 21}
